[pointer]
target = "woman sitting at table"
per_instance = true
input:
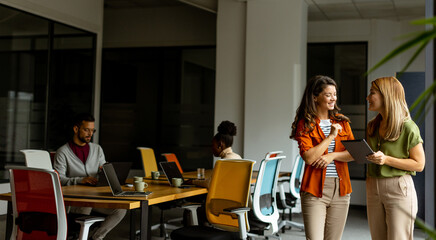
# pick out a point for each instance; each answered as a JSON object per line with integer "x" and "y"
{"x": 221, "y": 147}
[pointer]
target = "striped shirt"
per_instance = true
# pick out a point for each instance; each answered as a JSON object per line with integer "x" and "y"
{"x": 325, "y": 126}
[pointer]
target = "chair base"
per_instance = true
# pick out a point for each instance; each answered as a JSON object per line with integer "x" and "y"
{"x": 203, "y": 233}
{"x": 288, "y": 223}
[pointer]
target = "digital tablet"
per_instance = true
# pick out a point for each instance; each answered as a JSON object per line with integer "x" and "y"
{"x": 358, "y": 149}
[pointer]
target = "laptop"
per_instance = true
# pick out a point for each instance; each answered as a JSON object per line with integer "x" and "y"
{"x": 171, "y": 170}
{"x": 121, "y": 168}
{"x": 114, "y": 184}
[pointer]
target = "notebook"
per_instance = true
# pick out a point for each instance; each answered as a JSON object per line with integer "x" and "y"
{"x": 358, "y": 149}
{"x": 114, "y": 184}
{"x": 171, "y": 170}
{"x": 122, "y": 170}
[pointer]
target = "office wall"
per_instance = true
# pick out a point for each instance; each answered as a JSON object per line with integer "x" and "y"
{"x": 84, "y": 14}
{"x": 160, "y": 26}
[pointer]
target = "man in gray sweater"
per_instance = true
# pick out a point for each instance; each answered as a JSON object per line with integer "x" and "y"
{"x": 78, "y": 162}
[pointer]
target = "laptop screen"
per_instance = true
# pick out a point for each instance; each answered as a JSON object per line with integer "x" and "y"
{"x": 112, "y": 178}
{"x": 171, "y": 171}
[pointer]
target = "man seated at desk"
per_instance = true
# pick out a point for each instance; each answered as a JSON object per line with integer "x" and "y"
{"x": 78, "y": 162}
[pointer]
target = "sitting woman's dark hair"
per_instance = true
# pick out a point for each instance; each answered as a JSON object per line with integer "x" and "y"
{"x": 226, "y": 131}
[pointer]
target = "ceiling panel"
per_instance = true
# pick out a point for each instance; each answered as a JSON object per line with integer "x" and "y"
{"x": 319, "y": 10}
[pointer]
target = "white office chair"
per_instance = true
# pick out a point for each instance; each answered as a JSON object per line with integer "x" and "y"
{"x": 38, "y": 205}
{"x": 37, "y": 158}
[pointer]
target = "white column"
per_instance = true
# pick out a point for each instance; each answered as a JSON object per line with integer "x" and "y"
{"x": 261, "y": 72}
{"x": 275, "y": 75}
{"x": 230, "y": 67}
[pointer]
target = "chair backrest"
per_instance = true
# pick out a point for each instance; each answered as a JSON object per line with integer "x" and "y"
{"x": 273, "y": 154}
{"x": 37, "y": 158}
{"x": 148, "y": 160}
{"x": 264, "y": 196}
{"x": 171, "y": 157}
{"x": 229, "y": 187}
{"x": 38, "y": 204}
{"x": 296, "y": 176}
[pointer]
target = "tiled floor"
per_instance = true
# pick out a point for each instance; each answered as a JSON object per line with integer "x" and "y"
{"x": 356, "y": 227}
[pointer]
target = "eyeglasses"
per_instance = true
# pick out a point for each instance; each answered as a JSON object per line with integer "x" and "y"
{"x": 89, "y": 130}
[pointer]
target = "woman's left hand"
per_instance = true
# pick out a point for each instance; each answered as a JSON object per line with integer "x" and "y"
{"x": 378, "y": 158}
{"x": 322, "y": 161}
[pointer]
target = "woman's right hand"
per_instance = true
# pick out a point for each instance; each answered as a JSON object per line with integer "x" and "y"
{"x": 336, "y": 127}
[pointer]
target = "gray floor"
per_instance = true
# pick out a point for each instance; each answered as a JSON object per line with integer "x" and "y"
{"x": 356, "y": 228}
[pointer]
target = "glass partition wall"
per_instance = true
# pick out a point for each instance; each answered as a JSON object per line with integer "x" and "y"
{"x": 46, "y": 77}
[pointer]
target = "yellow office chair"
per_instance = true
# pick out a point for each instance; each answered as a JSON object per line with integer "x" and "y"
{"x": 148, "y": 160}
{"x": 226, "y": 203}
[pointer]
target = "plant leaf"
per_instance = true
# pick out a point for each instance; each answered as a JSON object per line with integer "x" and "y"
{"x": 424, "y": 36}
{"x": 415, "y": 55}
{"x": 425, "y": 21}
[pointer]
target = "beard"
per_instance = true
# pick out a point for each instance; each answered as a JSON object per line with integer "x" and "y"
{"x": 84, "y": 139}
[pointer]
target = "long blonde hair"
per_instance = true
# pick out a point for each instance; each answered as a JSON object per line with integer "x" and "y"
{"x": 396, "y": 110}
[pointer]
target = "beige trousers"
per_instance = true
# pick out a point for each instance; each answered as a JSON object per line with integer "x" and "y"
{"x": 324, "y": 218}
{"x": 391, "y": 207}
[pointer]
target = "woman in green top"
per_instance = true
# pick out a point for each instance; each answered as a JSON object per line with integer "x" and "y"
{"x": 395, "y": 138}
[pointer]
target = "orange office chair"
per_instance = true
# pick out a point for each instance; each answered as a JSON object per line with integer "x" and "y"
{"x": 171, "y": 157}
{"x": 226, "y": 203}
{"x": 148, "y": 160}
{"x": 38, "y": 205}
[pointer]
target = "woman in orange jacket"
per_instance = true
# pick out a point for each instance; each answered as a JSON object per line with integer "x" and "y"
{"x": 325, "y": 190}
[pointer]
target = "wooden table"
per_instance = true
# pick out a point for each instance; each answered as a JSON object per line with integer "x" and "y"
{"x": 162, "y": 192}
{"x": 101, "y": 197}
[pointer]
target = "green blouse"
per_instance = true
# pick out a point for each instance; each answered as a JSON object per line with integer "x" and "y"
{"x": 409, "y": 138}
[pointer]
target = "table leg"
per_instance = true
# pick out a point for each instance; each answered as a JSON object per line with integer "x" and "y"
{"x": 9, "y": 221}
{"x": 144, "y": 221}
{"x": 133, "y": 224}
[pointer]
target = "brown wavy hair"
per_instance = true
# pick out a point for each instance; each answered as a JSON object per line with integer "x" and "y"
{"x": 307, "y": 108}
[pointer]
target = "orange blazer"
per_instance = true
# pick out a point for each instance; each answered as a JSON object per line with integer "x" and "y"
{"x": 313, "y": 179}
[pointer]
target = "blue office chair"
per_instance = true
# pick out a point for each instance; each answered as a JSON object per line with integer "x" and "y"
{"x": 264, "y": 216}
{"x": 288, "y": 200}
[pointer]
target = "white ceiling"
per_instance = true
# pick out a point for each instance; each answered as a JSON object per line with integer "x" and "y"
{"x": 319, "y": 10}
{"x": 325, "y": 10}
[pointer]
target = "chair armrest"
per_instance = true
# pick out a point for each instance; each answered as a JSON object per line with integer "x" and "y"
{"x": 284, "y": 179}
{"x": 240, "y": 212}
{"x": 237, "y": 210}
{"x": 192, "y": 208}
{"x": 89, "y": 219}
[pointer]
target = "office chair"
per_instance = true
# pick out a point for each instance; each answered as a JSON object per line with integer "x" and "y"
{"x": 171, "y": 157}
{"x": 37, "y": 158}
{"x": 148, "y": 160}
{"x": 226, "y": 204}
{"x": 288, "y": 200}
{"x": 265, "y": 215}
{"x": 150, "y": 164}
{"x": 38, "y": 205}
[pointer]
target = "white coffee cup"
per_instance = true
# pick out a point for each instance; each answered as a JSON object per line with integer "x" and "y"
{"x": 155, "y": 175}
{"x": 140, "y": 186}
{"x": 136, "y": 178}
{"x": 177, "y": 182}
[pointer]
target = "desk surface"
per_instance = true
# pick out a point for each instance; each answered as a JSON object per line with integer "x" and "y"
{"x": 161, "y": 192}
{"x": 97, "y": 203}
